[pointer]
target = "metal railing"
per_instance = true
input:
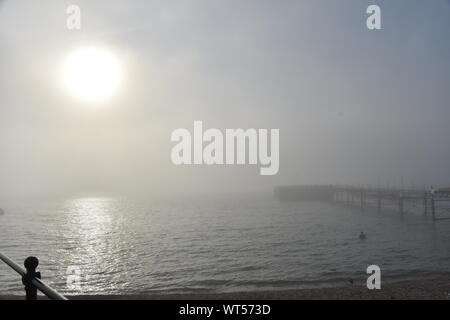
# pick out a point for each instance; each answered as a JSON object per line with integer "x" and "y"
{"x": 32, "y": 279}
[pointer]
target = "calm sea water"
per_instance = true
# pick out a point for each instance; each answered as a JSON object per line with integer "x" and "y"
{"x": 131, "y": 246}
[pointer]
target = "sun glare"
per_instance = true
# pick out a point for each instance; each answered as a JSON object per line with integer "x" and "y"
{"x": 91, "y": 74}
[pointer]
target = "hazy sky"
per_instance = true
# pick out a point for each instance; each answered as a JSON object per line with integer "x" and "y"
{"x": 352, "y": 105}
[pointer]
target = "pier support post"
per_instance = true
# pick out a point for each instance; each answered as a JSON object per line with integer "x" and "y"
{"x": 361, "y": 195}
{"x": 31, "y": 264}
{"x": 379, "y": 200}
{"x": 400, "y": 203}
{"x": 352, "y": 197}
{"x": 425, "y": 204}
{"x": 433, "y": 209}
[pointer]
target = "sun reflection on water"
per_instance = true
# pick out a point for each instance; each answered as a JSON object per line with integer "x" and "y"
{"x": 95, "y": 232}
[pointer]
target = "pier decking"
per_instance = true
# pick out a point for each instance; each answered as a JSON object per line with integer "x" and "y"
{"x": 435, "y": 203}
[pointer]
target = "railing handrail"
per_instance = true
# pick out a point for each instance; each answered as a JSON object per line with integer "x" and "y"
{"x": 38, "y": 283}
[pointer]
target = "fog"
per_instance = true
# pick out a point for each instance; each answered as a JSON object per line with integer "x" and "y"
{"x": 353, "y": 106}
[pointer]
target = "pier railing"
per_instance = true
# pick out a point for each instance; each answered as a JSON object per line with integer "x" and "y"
{"x": 32, "y": 279}
{"x": 437, "y": 201}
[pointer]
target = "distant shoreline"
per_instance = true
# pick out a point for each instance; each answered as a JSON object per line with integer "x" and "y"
{"x": 405, "y": 290}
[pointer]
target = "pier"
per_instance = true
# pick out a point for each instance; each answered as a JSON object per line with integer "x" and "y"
{"x": 433, "y": 202}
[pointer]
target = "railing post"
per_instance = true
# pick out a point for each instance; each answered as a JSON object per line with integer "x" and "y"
{"x": 31, "y": 264}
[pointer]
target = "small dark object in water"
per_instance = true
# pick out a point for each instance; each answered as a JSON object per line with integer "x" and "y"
{"x": 362, "y": 236}
{"x": 2, "y": 211}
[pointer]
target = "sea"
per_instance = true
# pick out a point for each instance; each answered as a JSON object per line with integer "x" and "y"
{"x": 120, "y": 245}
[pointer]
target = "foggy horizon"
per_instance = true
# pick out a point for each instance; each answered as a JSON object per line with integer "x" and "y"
{"x": 353, "y": 106}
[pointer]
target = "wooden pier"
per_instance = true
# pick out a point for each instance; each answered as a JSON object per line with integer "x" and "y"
{"x": 433, "y": 202}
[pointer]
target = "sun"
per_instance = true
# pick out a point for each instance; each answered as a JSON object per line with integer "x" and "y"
{"x": 91, "y": 74}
